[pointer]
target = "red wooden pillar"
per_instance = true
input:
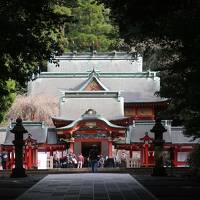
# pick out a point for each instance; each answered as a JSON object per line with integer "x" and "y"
{"x": 8, "y": 161}
{"x": 136, "y": 113}
{"x": 36, "y": 157}
{"x": 146, "y": 149}
{"x": 33, "y": 157}
{"x": 146, "y": 139}
{"x": 29, "y": 164}
{"x": 175, "y": 156}
{"x": 25, "y": 162}
{"x": 51, "y": 151}
{"x": 12, "y": 158}
{"x": 110, "y": 149}
{"x": 71, "y": 147}
{"x": 71, "y": 142}
{"x": 142, "y": 156}
{"x": 30, "y": 145}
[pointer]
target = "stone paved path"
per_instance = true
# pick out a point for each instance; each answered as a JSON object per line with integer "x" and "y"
{"x": 99, "y": 186}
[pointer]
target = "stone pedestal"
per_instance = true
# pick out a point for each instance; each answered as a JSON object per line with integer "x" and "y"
{"x": 159, "y": 169}
{"x": 158, "y": 142}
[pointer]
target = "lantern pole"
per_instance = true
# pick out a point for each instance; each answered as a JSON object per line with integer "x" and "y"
{"x": 158, "y": 129}
{"x": 18, "y": 142}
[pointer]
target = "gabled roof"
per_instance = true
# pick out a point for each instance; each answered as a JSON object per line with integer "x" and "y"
{"x": 173, "y": 135}
{"x": 59, "y": 121}
{"x": 90, "y": 116}
{"x": 178, "y": 137}
{"x": 37, "y": 129}
{"x": 93, "y": 83}
{"x": 105, "y": 62}
{"x": 141, "y": 97}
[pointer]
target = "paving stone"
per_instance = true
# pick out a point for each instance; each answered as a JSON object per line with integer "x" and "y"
{"x": 88, "y": 187}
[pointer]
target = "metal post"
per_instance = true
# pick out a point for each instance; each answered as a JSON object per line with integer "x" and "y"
{"x": 158, "y": 129}
{"x": 18, "y": 130}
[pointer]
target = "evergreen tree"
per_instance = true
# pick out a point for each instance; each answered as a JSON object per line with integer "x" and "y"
{"x": 91, "y": 29}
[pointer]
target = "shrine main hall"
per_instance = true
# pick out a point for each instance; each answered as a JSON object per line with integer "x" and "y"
{"x": 105, "y": 99}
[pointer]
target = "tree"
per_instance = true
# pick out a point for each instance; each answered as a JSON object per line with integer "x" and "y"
{"x": 31, "y": 108}
{"x": 91, "y": 29}
{"x": 7, "y": 97}
{"x": 30, "y": 32}
{"x": 171, "y": 28}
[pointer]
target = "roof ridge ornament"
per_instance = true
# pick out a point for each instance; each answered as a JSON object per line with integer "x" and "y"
{"x": 93, "y": 76}
{"x": 90, "y": 112}
{"x": 93, "y": 72}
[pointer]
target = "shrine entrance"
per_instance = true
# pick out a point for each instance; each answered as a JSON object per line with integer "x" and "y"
{"x": 86, "y": 146}
{"x": 91, "y": 129}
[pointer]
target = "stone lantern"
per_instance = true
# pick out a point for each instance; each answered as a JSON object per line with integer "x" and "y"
{"x": 18, "y": 131}
{"x": 158, "y": 129}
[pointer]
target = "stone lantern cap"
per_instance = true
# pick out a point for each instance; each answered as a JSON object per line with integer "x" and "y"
{"x": 158, "y": 127}
{"x": 19, "y": 128}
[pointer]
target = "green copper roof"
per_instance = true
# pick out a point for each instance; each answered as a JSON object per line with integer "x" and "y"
{"x": 148, "y": 74}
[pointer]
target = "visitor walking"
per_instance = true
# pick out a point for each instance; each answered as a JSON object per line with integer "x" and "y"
{"x": 80, "y": 160}
{"x": 93, "y": 156}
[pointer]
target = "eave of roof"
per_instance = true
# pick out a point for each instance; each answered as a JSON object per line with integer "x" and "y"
{"x": 155, "y": 102}
{"x": 91, "y": 118}
{"x": 70, "y": 120}
{"x": 62, "y": 119}
{"x": 97, "y": 56}
{"x": 146, "y": 74}
{"x": 91, "y": 94}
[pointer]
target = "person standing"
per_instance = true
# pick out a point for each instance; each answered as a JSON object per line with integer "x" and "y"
{"x": 123, "y": 159}
{"x": 4, "y": 157}
{"x": 93, "y": 156}
{"x": 101, "y": 161}
{"x": 74, "y": 160}
{"x": 80, "y": 160}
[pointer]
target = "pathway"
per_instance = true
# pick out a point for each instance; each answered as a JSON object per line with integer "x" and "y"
{"x": 88, "y": 186}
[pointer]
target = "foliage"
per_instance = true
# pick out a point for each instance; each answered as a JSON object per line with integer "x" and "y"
{"x": 91, "y": 29}
{"x": 7, "y": 96}
{"x": 30, "y": 32}
{"x": 194, "y": 160}
{"x": 170, "y": 31}
{"x": 31, "y": 108}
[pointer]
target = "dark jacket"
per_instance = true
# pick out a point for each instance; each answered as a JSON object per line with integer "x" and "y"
{"x": 93, "y": 155}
